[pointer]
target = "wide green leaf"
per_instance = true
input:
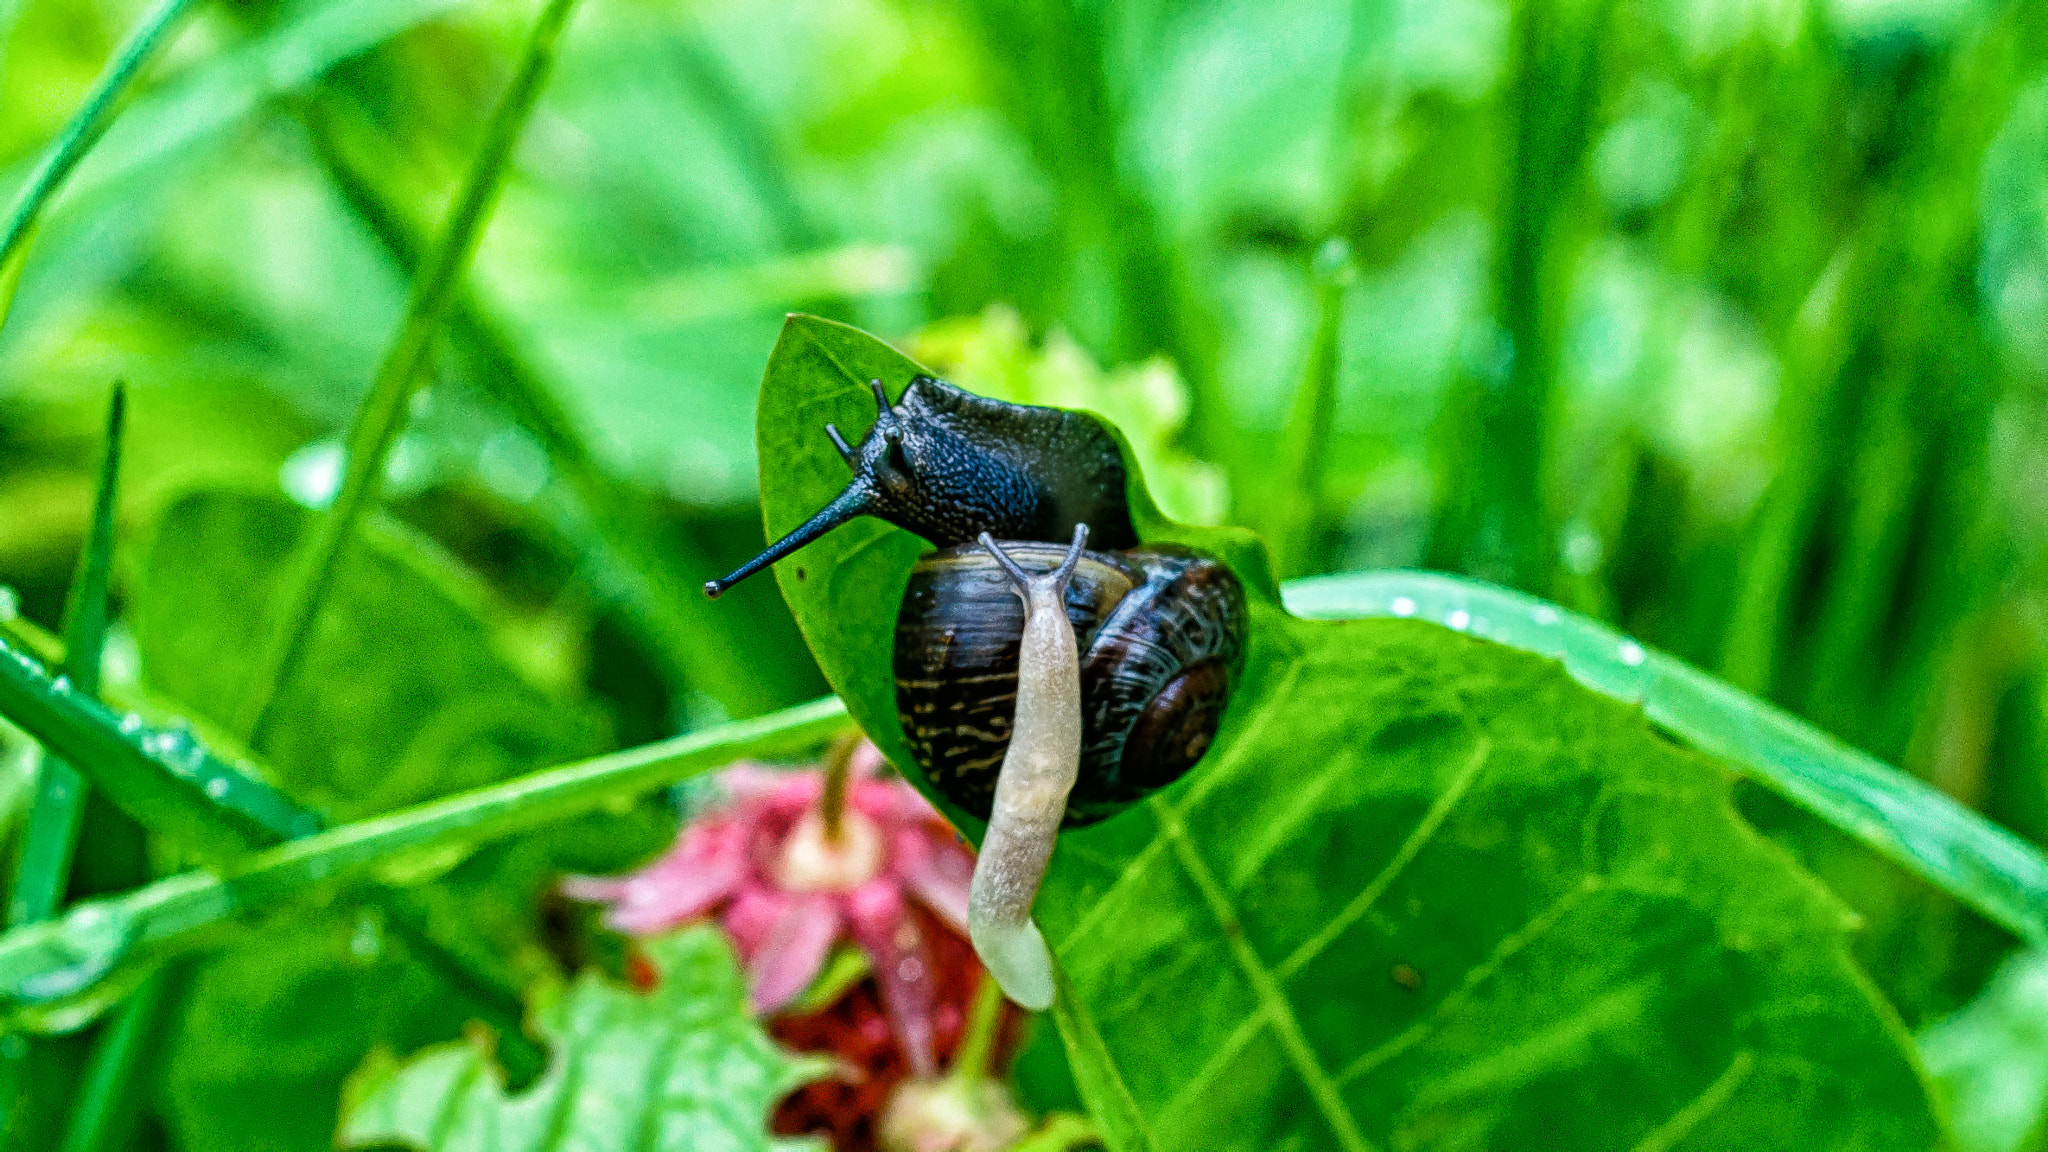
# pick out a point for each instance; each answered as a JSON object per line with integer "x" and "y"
{"x": 1424, "y": 892}
{"x": 403, "y": 693}
{"x": 1897, "y": 815}
{"x": 683, "y": 1068}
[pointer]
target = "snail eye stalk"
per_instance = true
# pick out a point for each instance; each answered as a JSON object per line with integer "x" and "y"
{"x": 846, "y": 452}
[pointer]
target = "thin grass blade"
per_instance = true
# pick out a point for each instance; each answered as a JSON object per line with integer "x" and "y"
{"x": 1306, "y": 452}
{"x": 44, "y": 862}
{"x": 1903, "y": 819}
{"x": 165, "y": 778}
{"x": 85, "y": 126}
{"x": 377, "y": 422}
{"x": 691, "y": 637}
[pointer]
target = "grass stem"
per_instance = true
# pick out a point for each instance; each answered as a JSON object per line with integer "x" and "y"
{"x": 378, "y": 421}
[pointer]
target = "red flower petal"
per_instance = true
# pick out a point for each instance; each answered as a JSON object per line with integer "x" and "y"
{"x": 794, "y": 951}
{"x": 939, "y": 874}
{"x": 883, "y": 926}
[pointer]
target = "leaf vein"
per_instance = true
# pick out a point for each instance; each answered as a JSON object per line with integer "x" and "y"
{"x": 1267, "y": 990}
{"x": 1538, "y": 925}
{"x": 1681, "y": 1123}
{"x": 1425, "y": 831}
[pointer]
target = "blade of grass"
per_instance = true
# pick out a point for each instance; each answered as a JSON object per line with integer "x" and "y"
{"x": 47, "y": 970}
{"x": 377, "y": 421}
{"x": 107, "y": 1098}
{"x": 1921, "y": 829}
{"x": 165, "y": 778}
{"x": 10, "y": 280}
{"x": 85, "y": 126}
{"x": 1293, "y": 532}
{"x": 690, "y": 637}
{"x": 211, "y": 805}
{"x": 42, "y": 868}
{"x": 43, "y": 863}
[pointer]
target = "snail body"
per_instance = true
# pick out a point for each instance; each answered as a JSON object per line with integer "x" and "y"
{"x": 1039, "y": 684}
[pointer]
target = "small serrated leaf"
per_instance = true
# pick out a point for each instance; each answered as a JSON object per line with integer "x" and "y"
{"x": 681, "y": 1068}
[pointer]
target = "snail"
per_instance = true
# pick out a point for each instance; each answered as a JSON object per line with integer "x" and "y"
{"x": 1152, "y": 641}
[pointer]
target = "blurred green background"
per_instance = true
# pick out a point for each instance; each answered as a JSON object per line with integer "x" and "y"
{"x": 1725, "y": 321}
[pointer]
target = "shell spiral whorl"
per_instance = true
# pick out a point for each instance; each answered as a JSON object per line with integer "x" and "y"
{"x": 1160, "y": 630}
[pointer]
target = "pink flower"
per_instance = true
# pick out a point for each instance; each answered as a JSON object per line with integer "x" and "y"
{"x": 787, "y": 892}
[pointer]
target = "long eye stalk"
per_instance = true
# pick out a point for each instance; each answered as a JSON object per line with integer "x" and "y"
{"x": 1038, "y": 771}
{"x": 850, "y": 503}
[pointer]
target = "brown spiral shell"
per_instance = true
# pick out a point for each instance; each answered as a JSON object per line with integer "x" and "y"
{"x": 1161, "y": 633}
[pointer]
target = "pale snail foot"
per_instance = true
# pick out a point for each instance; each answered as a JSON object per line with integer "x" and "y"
{"x": 1016, "y": 956}
{"x": 1031, "y": 787}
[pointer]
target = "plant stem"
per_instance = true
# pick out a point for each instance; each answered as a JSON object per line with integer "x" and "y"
{"x": 84, "y": 127}
{"x": 832, "y": 803}
{"x": 978, "y": 1042}
{"x": 48, "y": 966}
{"x": 377, "y": 421}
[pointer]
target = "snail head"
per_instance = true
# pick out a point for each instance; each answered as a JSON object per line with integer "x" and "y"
{"x": 915, "y": 471}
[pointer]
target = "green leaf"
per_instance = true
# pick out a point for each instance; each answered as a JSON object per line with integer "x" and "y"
{"x": 1989, "y": 1060}
{"x": 681, "y": 1068}
{"x": 1424, "y": 890}
{"x": 1919, "y": 827}
{"x": 402, "y": 692}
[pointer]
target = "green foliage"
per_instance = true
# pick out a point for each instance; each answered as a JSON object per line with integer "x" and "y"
{"x": 1720, "y": 325}
{"x": 1920, "y": 828}
{"x": 1989, "y": 1060}
{"x": 59, "y": 973}
{"x": 404, "y": 692}
{"x": 1483, "y": 891}
{"x": 681, "y": 1068}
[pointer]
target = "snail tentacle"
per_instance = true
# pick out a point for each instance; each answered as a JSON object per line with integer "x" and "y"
{"x": 846, "y": 452}
{"x": 1039, "y": 769}
{"x": 854, "y": 501}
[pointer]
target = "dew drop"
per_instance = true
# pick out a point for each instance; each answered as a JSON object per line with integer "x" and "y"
{"x": 131, "y": 724}
{"x": 910, "y": 969}
{"x": 61, "y": 685}
{"x": 176, "y": 748}
{"x": 1459, "y": 620}
{"x": 1402, "y": 606}
{"x": 367, "y": 942}
{"x": 217, "y": 788}
{"x": 1631, "y": 653}
{"x": 1545, "y": 615}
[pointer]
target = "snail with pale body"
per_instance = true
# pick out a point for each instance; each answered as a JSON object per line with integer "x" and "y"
{"x": 1024, "y": 719}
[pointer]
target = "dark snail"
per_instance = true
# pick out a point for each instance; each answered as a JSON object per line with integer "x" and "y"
{"x": 1019, "y": 717}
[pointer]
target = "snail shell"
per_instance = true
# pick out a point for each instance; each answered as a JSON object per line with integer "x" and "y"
{"x": 1161, "y": 634}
